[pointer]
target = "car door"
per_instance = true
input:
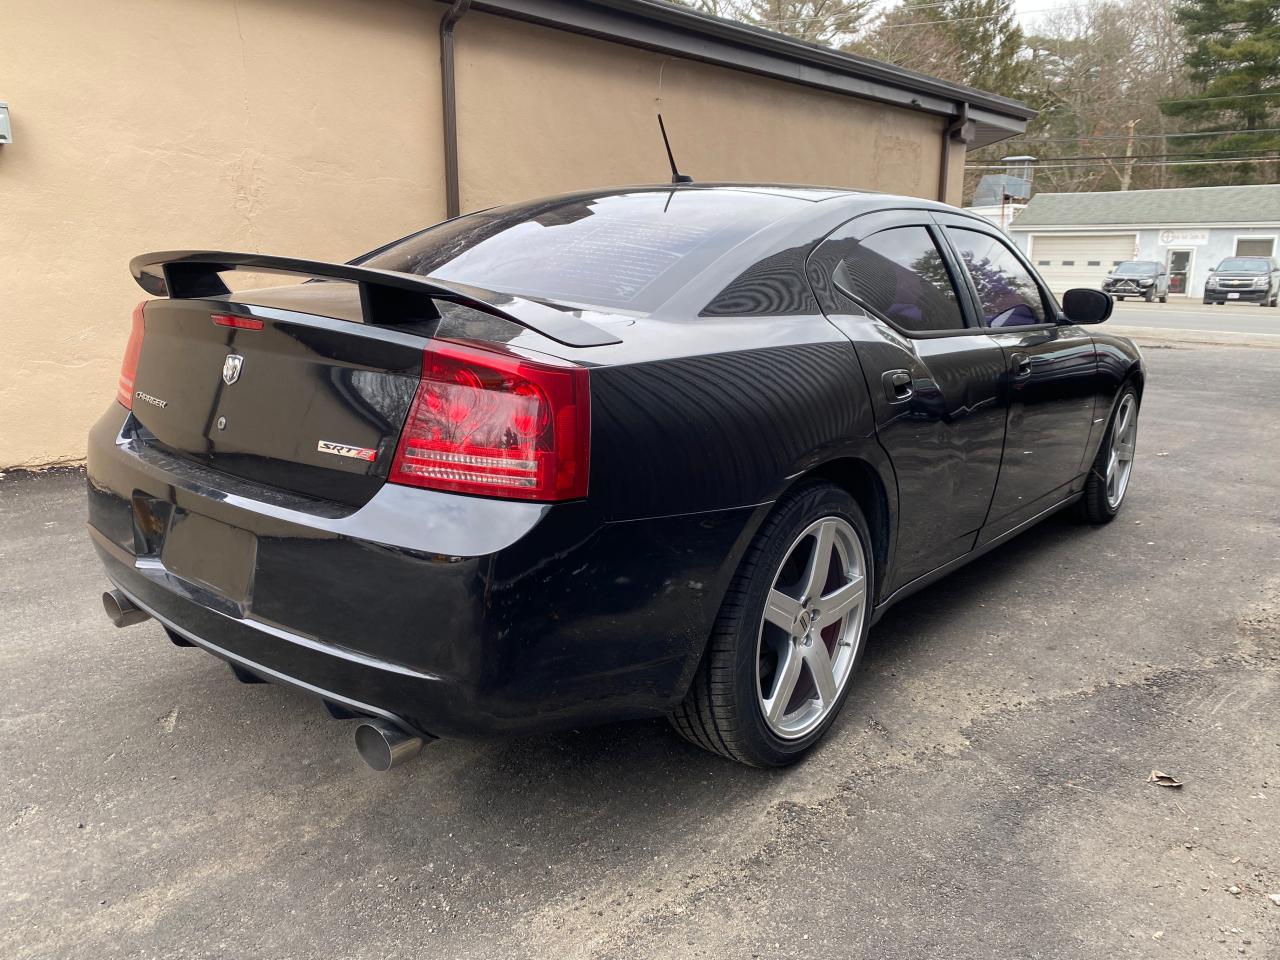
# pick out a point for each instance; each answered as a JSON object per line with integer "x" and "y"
{"x": 889, "y": 283}
{"x": 1050, "y": 381}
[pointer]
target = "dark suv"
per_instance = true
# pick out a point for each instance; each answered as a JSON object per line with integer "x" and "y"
{"x": 1252, "y": 279}
{"x": 1138, "y": 278}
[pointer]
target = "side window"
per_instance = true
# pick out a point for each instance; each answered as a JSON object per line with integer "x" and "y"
{"x": 900, "y": 272}
{"x": 1009, "y": 297}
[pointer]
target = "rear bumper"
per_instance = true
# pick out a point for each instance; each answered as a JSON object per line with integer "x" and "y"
{"x": 454, "y": 616}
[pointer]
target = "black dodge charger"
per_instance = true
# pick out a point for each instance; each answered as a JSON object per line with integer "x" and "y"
{"x": 650, "y": 451}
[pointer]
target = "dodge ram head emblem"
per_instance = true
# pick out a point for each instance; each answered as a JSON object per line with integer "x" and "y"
{"x": 231, "y": 368}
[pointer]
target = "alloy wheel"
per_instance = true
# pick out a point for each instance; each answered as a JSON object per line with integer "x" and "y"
{"x": 811, "y": 628}
{"x": 1124, "y": 438}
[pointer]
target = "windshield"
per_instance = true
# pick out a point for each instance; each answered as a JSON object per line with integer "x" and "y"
{"x": 628, "y": 251}
{"x": 1136, "y": 268}
{"x": 1244, "y": 265}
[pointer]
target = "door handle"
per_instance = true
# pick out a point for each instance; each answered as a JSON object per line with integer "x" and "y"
{"x": 897, "y": 385}
{"x": 1020, "y": 364}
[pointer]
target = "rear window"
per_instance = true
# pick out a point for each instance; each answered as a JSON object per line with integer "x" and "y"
{"x": 626, "y": 251}
{"x": 1245, "y": 265}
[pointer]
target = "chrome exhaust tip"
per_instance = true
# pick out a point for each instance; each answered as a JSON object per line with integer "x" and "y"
{"x": 121, "y": 610}
{"x": 383, "y": 745}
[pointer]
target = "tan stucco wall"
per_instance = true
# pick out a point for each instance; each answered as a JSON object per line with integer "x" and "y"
{"x": 305, "y": 127}
{"x": 312, "y": 128}
{"x": 541, "y": 111}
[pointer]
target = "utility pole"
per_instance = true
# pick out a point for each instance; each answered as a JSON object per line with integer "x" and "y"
{"x": 1126, "y": 176}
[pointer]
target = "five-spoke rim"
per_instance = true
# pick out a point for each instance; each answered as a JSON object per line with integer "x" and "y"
{"x": 1124, "y": 438}
{"x": 811, "y": 627}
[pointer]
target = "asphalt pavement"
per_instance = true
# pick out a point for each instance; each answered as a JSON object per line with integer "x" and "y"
{"x": 984, "y": 793}
{"x": 1181, "y": 314}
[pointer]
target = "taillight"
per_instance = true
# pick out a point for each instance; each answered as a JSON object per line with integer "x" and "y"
{"x": 238, "y": 323}
{"x": 496, "y": 424}
{"x": 129, "y": 365}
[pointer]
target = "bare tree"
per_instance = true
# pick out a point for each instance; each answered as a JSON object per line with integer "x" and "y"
{"x": 1098, "y": 73}
{"x": 826, "y": 22}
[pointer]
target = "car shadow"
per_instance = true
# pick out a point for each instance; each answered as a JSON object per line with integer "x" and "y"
{"x": 621, "y": 794}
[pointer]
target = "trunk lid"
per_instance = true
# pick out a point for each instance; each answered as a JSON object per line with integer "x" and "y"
{"x": 312, "y": 401}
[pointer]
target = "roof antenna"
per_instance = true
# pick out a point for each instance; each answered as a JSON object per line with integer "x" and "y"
{"x": 676, "y": 175}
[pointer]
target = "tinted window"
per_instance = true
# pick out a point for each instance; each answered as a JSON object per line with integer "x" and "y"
{"x": 900, "y": 273}
{"x": 1137, "y": 268}
{"x": 1245, "y": 265}
{"x": 627, "y": 251}
{"x": 1006, "y": 292}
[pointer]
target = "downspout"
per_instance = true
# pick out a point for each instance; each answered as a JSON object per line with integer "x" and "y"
{"x": 957, "y": 131}
{"x": 449, "y": 107}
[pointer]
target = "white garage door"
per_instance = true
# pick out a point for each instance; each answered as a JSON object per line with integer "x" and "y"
{"x": 1067, "y": 262}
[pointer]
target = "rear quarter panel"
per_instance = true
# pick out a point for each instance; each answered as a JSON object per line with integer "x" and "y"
{"x": 724, "y": 430}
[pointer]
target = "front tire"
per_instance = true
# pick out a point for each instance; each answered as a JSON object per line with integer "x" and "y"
{"x": 789, "y": 634}
{"x": 1108, "y": 479}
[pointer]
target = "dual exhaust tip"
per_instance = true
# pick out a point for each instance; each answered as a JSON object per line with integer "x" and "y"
{"x": 380, "y": 743}
{"x": 383, "y": 745}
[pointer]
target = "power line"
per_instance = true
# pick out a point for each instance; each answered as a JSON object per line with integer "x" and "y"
{"x": 928, "y": 23}
{"x": 1138, "y": 163}
{"x": 1238, "y": 96}
{"x": 924, "y": 23}
{"x": 914, "y": 6}
{"x": 1142, "y": 136}
{"x": 934, "y": 23}
{"x": 1159, "y": 156}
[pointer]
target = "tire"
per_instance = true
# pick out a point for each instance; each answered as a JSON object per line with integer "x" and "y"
{"x": 1100, "y": 502}
{"x": 1150, "y": 297}
{"x": 1121, "y": 299}
{"x": 1165, "y": 298}
{"x": 725, "y": 709}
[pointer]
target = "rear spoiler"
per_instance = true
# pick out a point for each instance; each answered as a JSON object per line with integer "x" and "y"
{"x": 386, "y": 296}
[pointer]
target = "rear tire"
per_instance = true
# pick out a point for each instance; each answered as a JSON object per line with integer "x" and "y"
{"x": 1108, "y": 480}
{"x": 757, "y": 696}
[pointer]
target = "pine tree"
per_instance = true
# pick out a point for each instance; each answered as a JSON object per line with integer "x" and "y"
{"x": 976, "y": 42}
{"x": 989, "y": 43}
{"x": 1234, "y": 56}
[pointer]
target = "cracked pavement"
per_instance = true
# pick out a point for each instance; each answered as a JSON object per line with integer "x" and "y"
{"x": 983, "y": 794}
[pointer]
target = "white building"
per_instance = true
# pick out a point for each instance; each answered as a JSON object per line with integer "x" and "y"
{"x": 1001, "y": 214}
{"x": 1075, "y": 238}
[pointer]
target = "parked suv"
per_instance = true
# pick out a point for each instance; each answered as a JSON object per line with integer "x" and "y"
{"x": 1252, "y": 279}
{"x": 1138, "y": 278}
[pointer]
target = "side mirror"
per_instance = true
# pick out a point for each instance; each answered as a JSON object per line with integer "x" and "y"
{"x": 1082, "y": 305}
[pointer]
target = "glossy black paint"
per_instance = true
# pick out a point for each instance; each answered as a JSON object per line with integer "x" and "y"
{"x": 1087, "y": 306}
{"x": 465, "y": 616}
